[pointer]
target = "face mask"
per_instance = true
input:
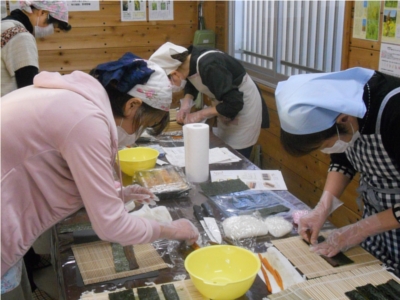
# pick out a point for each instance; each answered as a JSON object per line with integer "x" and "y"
{"x": 176, "y": 88}
{"x": 341, "y": 146}
{"x": 125, "y": 139}
{"x": 41, "y": 32}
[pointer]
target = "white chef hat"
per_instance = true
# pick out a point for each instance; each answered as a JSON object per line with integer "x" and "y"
{"x": 157, "y": 91}
{"x": 310, "y": 103}
{"x": 162, "y": 57}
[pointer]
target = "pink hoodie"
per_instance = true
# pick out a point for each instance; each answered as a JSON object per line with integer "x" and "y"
{"x": 58, "y": 147}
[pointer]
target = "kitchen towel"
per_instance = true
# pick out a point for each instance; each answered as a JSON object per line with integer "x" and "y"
{"x": 196, "y": 138}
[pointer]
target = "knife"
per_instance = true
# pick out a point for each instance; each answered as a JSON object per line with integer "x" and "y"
{"x": 198, "y": 213}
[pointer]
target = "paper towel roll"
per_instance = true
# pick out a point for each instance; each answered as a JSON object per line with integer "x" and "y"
{"x": 196, "y": 138}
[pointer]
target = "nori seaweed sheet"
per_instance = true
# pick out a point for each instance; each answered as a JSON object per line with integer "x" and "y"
{"x": 223, "y": 187}
{"x": 122, "y": 295}
{"x": 394, "y": 285}
{"x": 354, "y": 295}
{"x": 120, "y": 262}
{"x": 371, "y": 292}
{"x": 388, "y": 291}
{"x": 267, "y": 211}
{"x": 149, "y": 293}
{"x": 337, "y": 260}
{"x": 169, "y": 292}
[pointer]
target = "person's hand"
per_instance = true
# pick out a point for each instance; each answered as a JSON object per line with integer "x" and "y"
{"x": 311, "y": 223}
{"x": 196, "y": 117}
{"x": 344, "y": 238}
{"x": 139, "y": 194}
{"x": 181, "y": 229}
{"x": 186, "y": 105}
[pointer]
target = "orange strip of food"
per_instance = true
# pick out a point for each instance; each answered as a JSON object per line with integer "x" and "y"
{"x": 269, "y": 288}
{"x": 274, "y": 272}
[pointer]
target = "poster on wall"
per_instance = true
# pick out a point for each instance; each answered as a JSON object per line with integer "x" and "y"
{"x": 366, "y": 20}
{"x": 161, "y": 10}
{"x": 83, "y": 5}
{"x": 389, "y": 59}
{"x": 391, "y": 23}
{"x": 133, "y": 10}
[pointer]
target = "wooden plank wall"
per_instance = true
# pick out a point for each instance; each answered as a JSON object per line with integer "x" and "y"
{"x": 100, "y": 36}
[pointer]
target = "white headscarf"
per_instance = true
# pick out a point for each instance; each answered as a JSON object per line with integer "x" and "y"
{"x": 310, "y": 103}
{"x": 157, "y": 91}
{"x": 162, "y": 57}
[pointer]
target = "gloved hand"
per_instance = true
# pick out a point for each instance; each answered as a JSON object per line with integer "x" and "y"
{"x": 311, "y": 223}
{"x": 196, "y": 117}
{"x": 139, "y": 194}
{"x": 344, "y": 238}
{"x": 186, "y": 105}
{"x": 181, "y": 229}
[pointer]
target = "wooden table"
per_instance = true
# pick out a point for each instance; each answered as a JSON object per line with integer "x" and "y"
{"x": 182, "y": 208}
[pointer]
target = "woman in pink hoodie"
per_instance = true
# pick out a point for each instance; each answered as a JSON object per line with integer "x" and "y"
{"x": 58, "y": 149}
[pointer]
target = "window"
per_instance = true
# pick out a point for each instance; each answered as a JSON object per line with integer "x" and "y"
{"x": 276, "y": 39}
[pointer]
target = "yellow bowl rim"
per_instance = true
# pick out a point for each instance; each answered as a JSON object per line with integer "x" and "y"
{"x": 222, "y": 246}
{"x": 147, "y": 148}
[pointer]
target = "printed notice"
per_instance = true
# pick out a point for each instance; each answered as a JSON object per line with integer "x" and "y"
{"x": 133, "y": 10}
{"x": 83, "y": 5}
{"x": 389, "y": 60}
{"x": 161, "y": 10}
{"x": 366, "y": 20}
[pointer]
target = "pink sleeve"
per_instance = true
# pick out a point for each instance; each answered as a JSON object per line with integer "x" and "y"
{"x": 88, "y": 154}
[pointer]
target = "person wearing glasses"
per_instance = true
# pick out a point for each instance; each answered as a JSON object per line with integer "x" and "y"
{"x": 353, "y": 115}
{"x": 61, "y": 158}
{"x": 19, "y": 53}
{"x": 237, "y": 102}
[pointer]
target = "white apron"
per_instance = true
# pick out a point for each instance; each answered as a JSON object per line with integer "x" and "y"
{"x": 244, "y": 131}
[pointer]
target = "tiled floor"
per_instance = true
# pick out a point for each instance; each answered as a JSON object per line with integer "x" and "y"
{"x": 45, "y": 278}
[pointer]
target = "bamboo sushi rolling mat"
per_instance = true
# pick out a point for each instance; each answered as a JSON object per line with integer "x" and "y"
{"x": 334, "y": 287}
{"x": 312, "y": 265}
{"x": 96, "y": 263}
{"x": 185, "y": 289}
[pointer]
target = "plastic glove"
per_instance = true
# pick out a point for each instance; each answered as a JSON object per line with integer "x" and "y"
{"x": 196, "y": 117}
{"x": 311, "y": 224}
{"x": 139, "y": 194}
{"x": 186, "y": 105}
{"x": 344, "y": 238}
{"x": 181, "y": 229}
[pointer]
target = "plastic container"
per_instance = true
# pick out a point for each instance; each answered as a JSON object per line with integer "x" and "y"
{"x": 135, "y": 159}
{"x": 222, "y": 272}
{"x": 165, "y": 182}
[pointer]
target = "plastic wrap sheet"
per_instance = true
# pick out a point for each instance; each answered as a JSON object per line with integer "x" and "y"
{"x": 165, "y": 182}
{"x": 248, "y": 202}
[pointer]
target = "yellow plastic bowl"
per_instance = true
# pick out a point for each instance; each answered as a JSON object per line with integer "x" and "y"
{"x": 222, "y": 272}
{"x": 137, "y": 159}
